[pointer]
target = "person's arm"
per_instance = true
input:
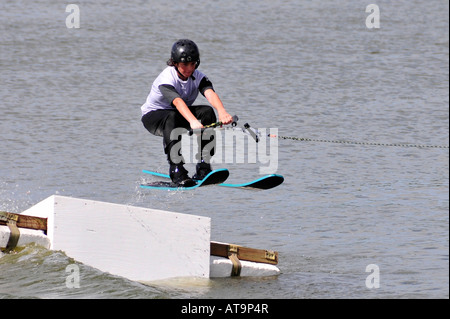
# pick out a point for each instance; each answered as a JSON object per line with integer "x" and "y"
{"x": 215, "y": 101}
{"x": 174, "y": 98}
{"x": 186, "y": 113}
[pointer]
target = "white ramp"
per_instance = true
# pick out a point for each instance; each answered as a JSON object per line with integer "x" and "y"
{"x": 140, "y": 244}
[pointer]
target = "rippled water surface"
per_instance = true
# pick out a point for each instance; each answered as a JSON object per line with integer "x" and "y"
{"x": 70, "y": 125}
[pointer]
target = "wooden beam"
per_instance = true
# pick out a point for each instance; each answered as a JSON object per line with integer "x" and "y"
{"x": 23, "y": 221}
{"x": 244, "y": 253}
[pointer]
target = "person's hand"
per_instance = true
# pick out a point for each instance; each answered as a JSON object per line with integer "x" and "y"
{"x": 225, "y": 118}
{"x": 195, "y": 125}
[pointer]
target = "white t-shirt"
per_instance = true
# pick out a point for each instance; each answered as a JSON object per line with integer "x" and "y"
{"x": 188, "y": 89}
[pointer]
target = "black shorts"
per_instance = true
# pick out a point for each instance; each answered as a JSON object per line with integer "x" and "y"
{"x": 163, "y": 122}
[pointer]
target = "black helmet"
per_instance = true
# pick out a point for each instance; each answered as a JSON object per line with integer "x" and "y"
{"x": 185, "y": 50}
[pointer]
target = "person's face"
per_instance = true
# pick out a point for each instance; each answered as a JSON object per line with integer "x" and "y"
{"x": 186, "y": 68}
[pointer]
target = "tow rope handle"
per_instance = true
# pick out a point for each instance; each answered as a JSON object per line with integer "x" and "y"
{"x": 253, "y": 132}
{"x": 216, "y": 124}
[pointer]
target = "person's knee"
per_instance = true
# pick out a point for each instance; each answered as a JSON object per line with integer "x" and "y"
{"x": 212, "y": 115}
{"x": 173, "y": 120}
{"x": 207, "y": 115}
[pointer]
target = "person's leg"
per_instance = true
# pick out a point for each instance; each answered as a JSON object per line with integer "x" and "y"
{"x": 163, "y": 123}
{"x": 207, "y": 140}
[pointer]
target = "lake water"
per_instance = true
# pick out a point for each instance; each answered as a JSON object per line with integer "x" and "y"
{"x": 70, "y": 125}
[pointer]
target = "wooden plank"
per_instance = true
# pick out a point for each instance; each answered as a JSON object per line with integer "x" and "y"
{"x": 23, "y": 221}
{"x": 244, "y": 253}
